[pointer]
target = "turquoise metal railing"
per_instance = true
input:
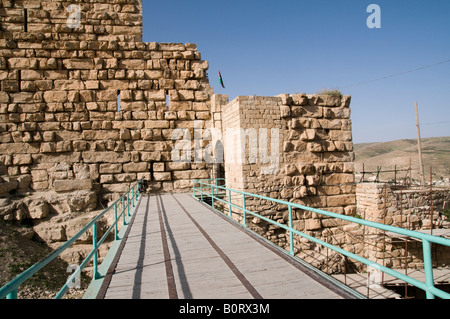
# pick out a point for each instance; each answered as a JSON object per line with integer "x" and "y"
{"x": 10, "y": 290}
{"x": 209, "y": 188}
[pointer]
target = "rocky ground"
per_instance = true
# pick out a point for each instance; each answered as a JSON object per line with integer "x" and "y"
{"x": 18, "y": 251}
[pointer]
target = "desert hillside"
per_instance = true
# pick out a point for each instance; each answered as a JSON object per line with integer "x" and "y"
{"x": 400, "y": 153}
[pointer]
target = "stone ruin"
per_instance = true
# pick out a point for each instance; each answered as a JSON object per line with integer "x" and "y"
{"x": 87, "y": 109}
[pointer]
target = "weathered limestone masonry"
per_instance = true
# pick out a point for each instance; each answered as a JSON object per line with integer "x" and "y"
{"x": 298, "y": 148}
{"x": 88, "y": 109}
{"x": 65, "y": 145}
{"x": 407, "y": 208}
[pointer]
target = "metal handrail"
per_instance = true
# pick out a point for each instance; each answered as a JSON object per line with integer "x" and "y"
{"x": 11, "y": 288}
{"x": 426, "y": 239}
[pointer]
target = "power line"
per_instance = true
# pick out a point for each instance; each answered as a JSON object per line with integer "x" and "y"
{"x": 396, "y": 74}
{"x": 435, "y": 123}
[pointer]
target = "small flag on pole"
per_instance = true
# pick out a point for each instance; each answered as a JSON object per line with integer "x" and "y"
{"x": 221, "y": 80}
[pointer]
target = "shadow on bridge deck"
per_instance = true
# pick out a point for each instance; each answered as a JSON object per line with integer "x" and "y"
{"x": 179, "y": 248}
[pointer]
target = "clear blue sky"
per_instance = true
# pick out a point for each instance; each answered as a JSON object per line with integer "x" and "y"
{"x": 271, "y": 47}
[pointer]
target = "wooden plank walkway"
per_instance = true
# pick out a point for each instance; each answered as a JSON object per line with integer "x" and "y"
{"x": 177, "y": 247}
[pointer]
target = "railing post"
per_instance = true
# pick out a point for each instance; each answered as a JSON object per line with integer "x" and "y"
{"x": 428, "y": 267}
{"x": 212, "y": 196}
{"x": 245, "y": 210}
{"x": 10, "y": 290}
{"x": 229, "y": 203}
{"x": 123, "y": 210}
{"x": 132, "y": 197}
{"x": 128, "y": 204}
{"x": 201, "y": 191}
{"x": 291, "y": 234}
{"x": 116, "y": 236}
{"x": 12, "y": 294}
{"x": 95, "y": 248}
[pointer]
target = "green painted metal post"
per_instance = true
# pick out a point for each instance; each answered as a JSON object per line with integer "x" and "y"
{"x": 212, "y": 196}
{"x": 428, "y": 267}
{"x": 116, "y": 233}
{"x": 12, "y": 294}
{"x": 132, "y": 197}
{"x": 245, "y": 210}
{"x": 291, "y": 234}
{"x": 128, "y": 204}
{"x": 10, "y": 290}
{"x": 229, "y": 202}
{"x": 123, "y": 210}
{"x": 201, "y": 191}
{"x": 95, "y": 247}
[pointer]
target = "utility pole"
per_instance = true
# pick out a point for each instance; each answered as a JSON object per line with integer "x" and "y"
{"x": 419, "y": 146}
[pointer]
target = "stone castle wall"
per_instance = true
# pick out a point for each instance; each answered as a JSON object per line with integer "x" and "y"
{"x": 293, "y": 147}
{"x": 409, "y": 209}
{"x": 88, "y": 109}
{"x": 93, "y": 109}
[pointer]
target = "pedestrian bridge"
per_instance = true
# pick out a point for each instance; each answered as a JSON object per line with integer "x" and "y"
{"x": 178, "y": 246}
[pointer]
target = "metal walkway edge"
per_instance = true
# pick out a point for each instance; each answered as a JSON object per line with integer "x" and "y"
{"x": 179, "y": 248}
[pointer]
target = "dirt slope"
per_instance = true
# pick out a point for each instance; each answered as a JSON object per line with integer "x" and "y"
{"x": 435, "y": 153}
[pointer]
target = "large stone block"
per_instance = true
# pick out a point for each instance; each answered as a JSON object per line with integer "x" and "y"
{"x": 79, "y": 64}
{"x": 22, "y": 159}
{"x": 106, "y": 157}
{"x": 339, "y": 178}
{"x": 8, "y": 186}
{"x": 190, "y": 174}
{"x": 338, "y": 135}
{"x": 313, "y": 224}
{"x": 110, "y": 168}
{"x": 125, "y": 177}
{"x": 341, "y": 200}
{"x": 38, "y": 209}
{"x": 177, "y": 166}
{"x": 19, "y": 148}
{"x": 151, "y": 146}
{"x": 132, "y": 64}
{"x": 72, "y": 185}
{"x": 135, "y": 167}
{"x": 22, "y": 63}
{"x": 55, "y": 96}
{"x": 162, "y": 176}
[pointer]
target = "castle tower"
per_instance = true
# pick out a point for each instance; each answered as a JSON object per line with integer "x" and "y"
{"x": 87, "y": 108}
